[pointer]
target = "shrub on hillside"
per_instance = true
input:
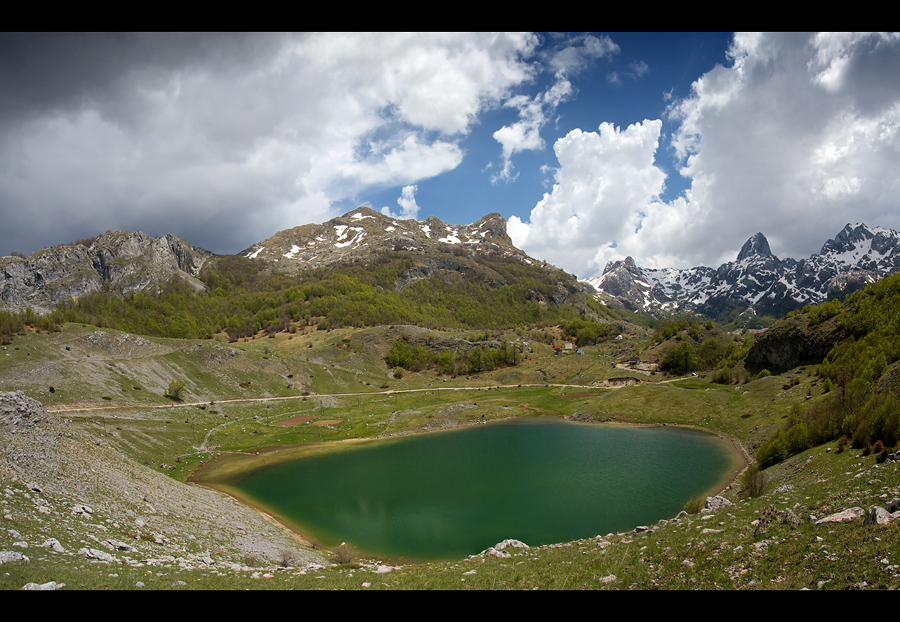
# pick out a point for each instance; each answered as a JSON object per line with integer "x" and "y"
{"x": 822, "y": 312}
{"x": 694, "y": 504}
{"x": 344, "y": 554}
{"x": 754, "y": 482}
{"x": 175, "y": 390}
{"x": 842, "y": 445}
{"x": 680, "y": 358}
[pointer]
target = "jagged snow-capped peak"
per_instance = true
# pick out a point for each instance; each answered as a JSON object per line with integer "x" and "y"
{"x": 758, "y": 281}
{"x": 757, "y": 245}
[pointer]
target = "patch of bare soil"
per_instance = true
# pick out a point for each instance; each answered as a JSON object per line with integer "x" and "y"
{"x": 641, "y": 368}
{"x": 295, "y": 420}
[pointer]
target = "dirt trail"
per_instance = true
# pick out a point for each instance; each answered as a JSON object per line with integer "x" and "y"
{"x": 63, "y": 408}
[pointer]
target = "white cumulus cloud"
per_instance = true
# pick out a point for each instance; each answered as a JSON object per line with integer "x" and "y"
{"x": 407, "y": 202}
{"x": 525, "y": 134}
{"x": 797, "y": 136}
{"x": 604, "y": 180}
{"x": 571, "y": 58}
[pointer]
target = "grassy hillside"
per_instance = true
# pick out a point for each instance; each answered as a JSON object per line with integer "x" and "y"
{"x": 859, "y": 404}
{"x": 243, "y": 297}
{"x": 111, "y": 430}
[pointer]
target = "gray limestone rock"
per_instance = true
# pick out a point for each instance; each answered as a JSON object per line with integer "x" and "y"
{"x": 877, "y": 516}
{"x": 120, "y": 261}
{"x": 714, "y": 503}
{"x": 49, "y": 585}
{"x": 102, "y": 556}
{"x": 509, "y": 542}
{"x": 12, "y": 556}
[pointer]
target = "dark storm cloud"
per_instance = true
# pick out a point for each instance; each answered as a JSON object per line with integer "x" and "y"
{"x": 867, "y": 65}
{"x": 46, "y": 72}
{"x": 223, "y": 139}
{"x": 63, "y": 93}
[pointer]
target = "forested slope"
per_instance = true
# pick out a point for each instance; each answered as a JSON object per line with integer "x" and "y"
{"x": 860, "y": 377}
{"x": 242, "y": 298}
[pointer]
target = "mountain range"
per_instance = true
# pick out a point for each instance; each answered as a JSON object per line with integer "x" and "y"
{"x": 124, "y": 262}
{"x": 757, "y": 282}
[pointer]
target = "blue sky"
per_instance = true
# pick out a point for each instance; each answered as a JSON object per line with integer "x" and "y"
{"x": 609, "y": 89}
{"x": 673, "y": 148}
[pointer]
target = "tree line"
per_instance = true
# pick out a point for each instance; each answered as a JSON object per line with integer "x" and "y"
{"x": 456, "y": 361}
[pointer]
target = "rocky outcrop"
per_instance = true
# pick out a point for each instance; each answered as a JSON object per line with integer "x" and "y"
{"x": 443, "y": 265}
{"x": 791, "y": 342}
{"x": 889, "y": 382}
{"x": 844, "y": 284}
{"x": 498, "y": 549}
{"x": 714, "y": 504}
{"x": 118, "y": 261}
{"x": 29, "y": 437}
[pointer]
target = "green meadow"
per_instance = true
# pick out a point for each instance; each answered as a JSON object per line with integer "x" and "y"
{"x": 110, "y": 387}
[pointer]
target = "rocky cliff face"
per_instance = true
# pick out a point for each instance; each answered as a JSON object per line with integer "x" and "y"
{"x": 117, "y": 260}
{"x": 758, "y": 281}
{"x": 791, "y": 342}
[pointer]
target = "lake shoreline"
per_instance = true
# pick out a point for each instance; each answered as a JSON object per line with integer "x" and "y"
{"x": 213, "y": 472}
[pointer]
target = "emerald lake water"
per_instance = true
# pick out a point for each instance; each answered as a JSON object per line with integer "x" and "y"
{"x": 450, "y": 494}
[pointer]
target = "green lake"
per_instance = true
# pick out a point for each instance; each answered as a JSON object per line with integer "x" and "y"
{"x": 450, "y": 494}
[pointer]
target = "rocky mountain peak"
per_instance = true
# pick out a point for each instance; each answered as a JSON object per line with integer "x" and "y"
{"x": 626, "y": 264}
{"x": 494, "y": 227}
{"x": 624, "y": 281}
{"x": 762, "y": 284}
{"x": 847, "y": 238}
{"x": 362, "y": 232}
{"x": 757, "y": 246}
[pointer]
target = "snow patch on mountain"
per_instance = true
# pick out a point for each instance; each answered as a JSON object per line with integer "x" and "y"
{"x": 757, "y": 281}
